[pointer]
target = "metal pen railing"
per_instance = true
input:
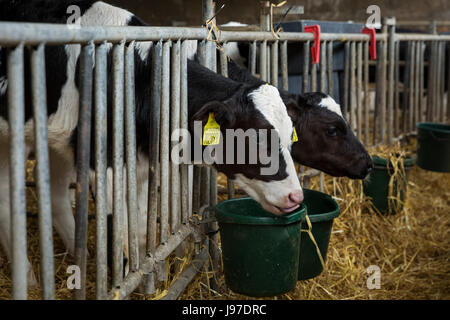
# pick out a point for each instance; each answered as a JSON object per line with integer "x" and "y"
{"x": 405, "y": 93}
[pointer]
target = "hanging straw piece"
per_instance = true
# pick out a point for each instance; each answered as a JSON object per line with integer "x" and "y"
{"x": 309, "y": 231}
{"x": 271, "y": 17}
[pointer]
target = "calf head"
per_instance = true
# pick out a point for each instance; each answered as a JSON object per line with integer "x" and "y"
{"x": 326, "y": 141}
{"x": 255, "y": 143}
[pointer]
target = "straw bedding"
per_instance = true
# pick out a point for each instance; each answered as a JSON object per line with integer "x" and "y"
{"x": 411, "y": 248}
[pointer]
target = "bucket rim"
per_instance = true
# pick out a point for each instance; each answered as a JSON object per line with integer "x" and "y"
{"x": 434, "y": 126}
{"x": 227, "y": 217}
{"x": 326, "y": 216}
{"x": 409, "y": 161}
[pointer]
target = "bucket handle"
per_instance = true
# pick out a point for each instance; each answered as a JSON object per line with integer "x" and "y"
{"x": 311, "y": 236}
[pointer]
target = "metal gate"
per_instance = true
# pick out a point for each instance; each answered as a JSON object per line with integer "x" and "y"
{"x": 176, "y": 191}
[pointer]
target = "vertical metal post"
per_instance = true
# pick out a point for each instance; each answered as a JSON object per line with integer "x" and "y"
{"x": 330, "y": 69}
{"x": 323, "y": 67}
{"x": 118, "y": 127}
{"x": 397, "y": 89}
{"x": 83, "y": 156}
{"x": 154, "y": 170}
{"x": 430, "y": 82}
{"x": 16, "y": 113}
{"x": 353, "y": 86}
{"x": 442, "y": 82}
{"x": 100, "y": 170}
{"x": 175, "y": 91}
{"x": 416, "y": 85}
{"x": 305, "y": 77}
{"x": 263, "y": 61}
{"x": 224, "y": 72}
{"x": 284, "y": 66}
{"x": 406, "y": 87}
{"x": 165, "y": 141}
{"x": 274, "y": 58}
{"x": 154, "y": 152}
{"x": 359, "y": 88}
{"x": 411, "y": 87}
{"x": 422, "y": 106}
{"x": 38, "y": 82}
{"x": 381, "y": 89}
{"x": 130, "y": 138}
{"x": 252, "y": 62}
{"x": 184, "y": 126}
{"x": 366, "y": 93}
{"x": 346, "y": 99}
{"x": 391, "y": 86}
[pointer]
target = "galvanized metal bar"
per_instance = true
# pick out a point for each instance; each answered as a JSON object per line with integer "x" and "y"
{"x": 130, "y": 138}
{"x": 196, "y": 189}
{"x": 16, "y": 115}
{"x": 118, "y": 162}
{"x": 359, "y": 88}
{"x": 165, "y": 142}
{"x": 268, "y": 62}
{"x": 397, "y": 89}
{"x": 411, "y": 86}
{"x": 83, "y": 161}
{"x": 417, "y": 75}
{"x": 406, "y": 86}
{"x": 252, "y": 58}
{"x": 38, "y": 84}
{"x": 381, "y": 92}
{"x": 346, "y": 100}
{"x": 185, "y": 212}
{"x": 391, "y": 86}
{"x": 274, "y": 59}
{"x": 284, "y": 66}
{"x": 323, "y": 67}
{"x": 100, "y": 170}
{"x": 12, "y": 33}
{"x": 213, "y": 239}
{"x": 330, "y": 68}
{"x": 263, "y": 61}
{"x": 429, "y": 82}
{"x": 175, "y": 90}
{"x": 447, "y": 110}
{"x": 442, "y": 84}
{"x": 224, "y": 72}
{"x": 155, "y": 126}
{"x": 353, "y": 86}
{"x": 305, "y": 76}
{"x": 366, "y": 94}
{"x": 422, "y": 104}
{"x": 151, "y": 262}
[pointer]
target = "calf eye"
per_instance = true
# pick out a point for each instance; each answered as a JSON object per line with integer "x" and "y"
{"x": 331, "y": 131}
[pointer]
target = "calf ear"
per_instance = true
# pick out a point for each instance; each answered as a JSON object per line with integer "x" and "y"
{"x": 293, "y": 110}
{"x": 223, "y": 114}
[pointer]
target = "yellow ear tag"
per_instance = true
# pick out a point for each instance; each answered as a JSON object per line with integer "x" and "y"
{"x": 294, "y": 136}
{"x": 211, "y": 131}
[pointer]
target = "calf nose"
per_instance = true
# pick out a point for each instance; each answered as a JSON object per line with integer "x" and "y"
{"x": 296, "y": 196}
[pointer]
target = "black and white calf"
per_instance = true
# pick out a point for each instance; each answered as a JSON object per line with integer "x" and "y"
{"x": 235, "y": 105}
{"x": 326, "y": 141}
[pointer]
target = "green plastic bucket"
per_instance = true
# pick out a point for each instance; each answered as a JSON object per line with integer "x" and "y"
{"x": 260, "y": 250}
{"x": 376, "y": 186}
{"x": 322, "y": 210}
{"x": 433, "y": 147}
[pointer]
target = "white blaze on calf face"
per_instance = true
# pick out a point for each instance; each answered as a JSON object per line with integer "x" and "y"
{"x": 275, "y": 193}
{"x": 331, "y": 105}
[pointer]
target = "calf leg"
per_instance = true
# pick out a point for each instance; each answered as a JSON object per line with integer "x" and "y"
{"x": 61, "y": 172}
{"x": 5, "y": 215}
